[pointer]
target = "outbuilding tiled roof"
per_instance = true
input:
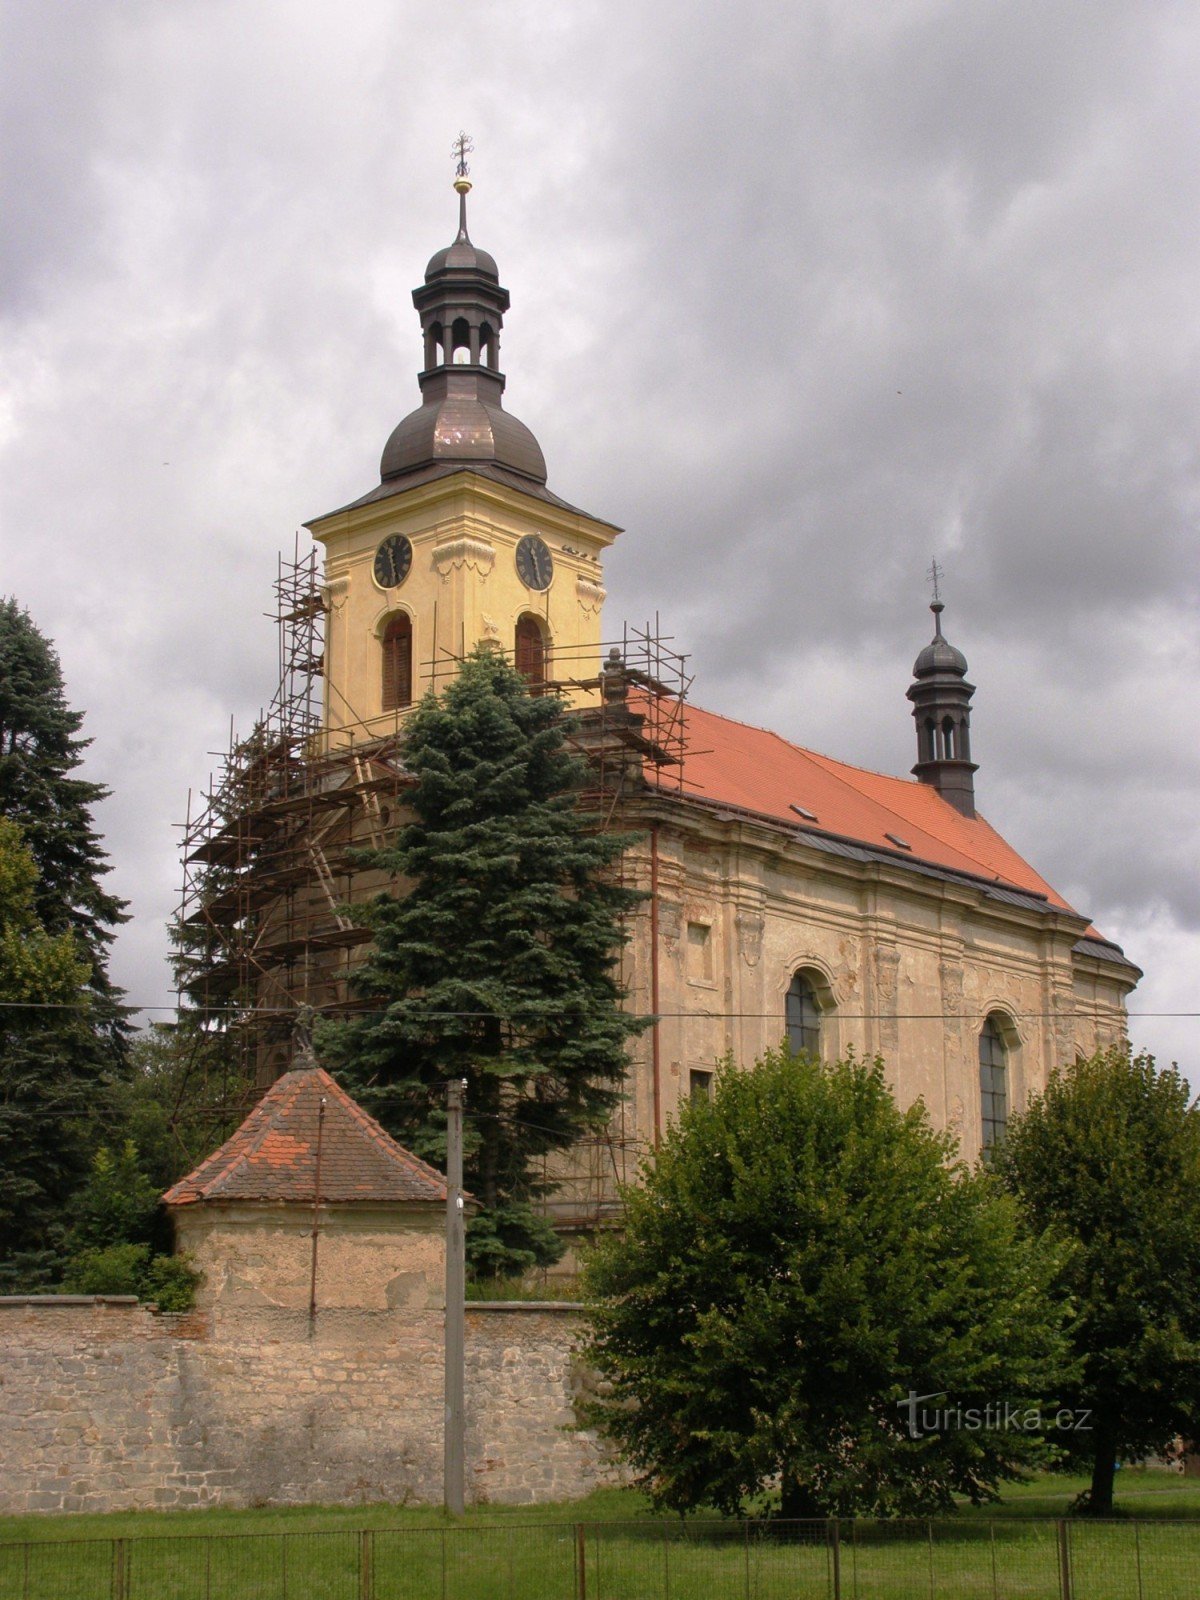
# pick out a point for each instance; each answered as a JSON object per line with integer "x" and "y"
{"x": 273, "y": 1155}
{"x": 754, "y": 770}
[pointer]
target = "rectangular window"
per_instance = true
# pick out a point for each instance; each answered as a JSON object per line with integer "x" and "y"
{"x": 699, "y": 951}
{"x": 700, "y": 1085}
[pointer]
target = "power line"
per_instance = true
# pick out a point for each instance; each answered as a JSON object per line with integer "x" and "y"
{"x": 1082, "y": 1010}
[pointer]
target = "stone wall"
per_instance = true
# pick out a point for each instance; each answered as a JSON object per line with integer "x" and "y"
{"x": 106, "y": 1405}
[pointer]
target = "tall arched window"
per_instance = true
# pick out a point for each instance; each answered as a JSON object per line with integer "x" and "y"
{"x": 397, "y": 663}
{"x": 531, "y": 649}
{"x": 803, "y": 1016}
{"x": 993, "y": 1084}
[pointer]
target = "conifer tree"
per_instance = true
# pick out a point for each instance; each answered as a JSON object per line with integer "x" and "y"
{"x": 40, "y": 750}
{"x": 496, "y": 961}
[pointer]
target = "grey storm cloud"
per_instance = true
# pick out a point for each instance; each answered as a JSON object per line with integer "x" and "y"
{"x": 801, "y": 296}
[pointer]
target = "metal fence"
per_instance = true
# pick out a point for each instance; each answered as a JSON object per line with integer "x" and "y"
{"x": 997, "y": 1559}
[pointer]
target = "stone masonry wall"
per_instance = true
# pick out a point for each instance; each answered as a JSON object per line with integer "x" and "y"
{"x": 106, "y": 1405}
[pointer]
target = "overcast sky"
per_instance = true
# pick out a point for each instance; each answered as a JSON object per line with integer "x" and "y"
{"x": 802, "y": 295}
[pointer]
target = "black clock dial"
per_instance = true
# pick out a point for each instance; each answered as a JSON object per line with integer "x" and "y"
{"x": 535, "y": 564}
{"x": 392, "y": 561}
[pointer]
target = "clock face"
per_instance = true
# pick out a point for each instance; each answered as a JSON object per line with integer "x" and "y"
{"x": 535, "y": 565}
{"x": 392, "y": 561}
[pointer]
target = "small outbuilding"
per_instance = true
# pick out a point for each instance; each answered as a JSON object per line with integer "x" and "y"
{"x": 311, "y": 1205}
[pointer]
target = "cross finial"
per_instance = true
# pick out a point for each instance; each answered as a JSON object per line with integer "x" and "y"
{"x": 460, "y": 150}
{"x": 936, "y": 574}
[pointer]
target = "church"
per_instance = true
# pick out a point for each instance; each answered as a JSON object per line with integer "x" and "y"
{"x": 786, "y": 892}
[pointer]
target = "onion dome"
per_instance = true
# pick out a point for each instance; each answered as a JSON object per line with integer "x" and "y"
{"x": 939, "y": 655}
{"x": 462, "y": 418}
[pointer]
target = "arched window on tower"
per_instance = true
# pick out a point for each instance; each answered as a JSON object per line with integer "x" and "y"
{"x": 993, "y": 1084}
{"x": 948, "y": 750}
{"x": 487, "y": 345}
{"x": 531, "y": 649}
{"x": 397, "y": 663}
{"x": 803, "y": 1014}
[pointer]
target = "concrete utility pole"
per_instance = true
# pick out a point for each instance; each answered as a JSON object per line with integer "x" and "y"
{"x": 456, "y": 1293}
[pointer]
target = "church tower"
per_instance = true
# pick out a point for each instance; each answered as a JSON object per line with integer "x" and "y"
{"x": 941, "y": 702}
{"x": 461, "y": 541}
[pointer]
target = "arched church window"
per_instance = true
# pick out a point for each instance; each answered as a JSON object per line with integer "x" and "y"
{"x": 803, "y": 1016}
{"x": 948, "y": 750}
{"x": 993, "y": 1084}
{"x": 531, "y": 649}
{"x": 397, "y": 663}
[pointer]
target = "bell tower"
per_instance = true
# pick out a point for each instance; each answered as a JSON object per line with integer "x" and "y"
{"x": 461, "y": 541}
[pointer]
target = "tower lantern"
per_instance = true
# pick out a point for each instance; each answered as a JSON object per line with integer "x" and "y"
{"x": 941, "y": 702}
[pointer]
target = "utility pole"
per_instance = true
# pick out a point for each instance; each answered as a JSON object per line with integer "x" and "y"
{"x": 456, "y": 1293}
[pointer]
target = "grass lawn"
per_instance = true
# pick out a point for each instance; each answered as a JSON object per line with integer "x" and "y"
{"x": 533, "y": 1553}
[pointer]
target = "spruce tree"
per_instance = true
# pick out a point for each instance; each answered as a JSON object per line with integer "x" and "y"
{"x": 40, "y": 750}
{"x": 497, "y": 959}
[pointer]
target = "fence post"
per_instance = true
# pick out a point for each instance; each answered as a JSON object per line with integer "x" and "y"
{"x": 120, "y": 1575}
{"x": 835, "y": 1550}
{"x": 580, "y": 1563}
{"x": 1064, "y": 1559}
{"x": 366, "y": 1565}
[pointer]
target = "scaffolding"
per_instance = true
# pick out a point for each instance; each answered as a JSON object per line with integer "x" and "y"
{"x": 273, "y": 856}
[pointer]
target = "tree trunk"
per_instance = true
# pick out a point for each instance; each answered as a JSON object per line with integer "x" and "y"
{"x": 1104, "y": 1467}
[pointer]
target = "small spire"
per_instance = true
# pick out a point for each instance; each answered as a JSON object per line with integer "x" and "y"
{"x": 460, "y": 150}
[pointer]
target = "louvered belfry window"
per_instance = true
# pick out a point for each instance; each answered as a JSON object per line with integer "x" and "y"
{"x": 397, "y": 664}
{"x": 531, "y": 649}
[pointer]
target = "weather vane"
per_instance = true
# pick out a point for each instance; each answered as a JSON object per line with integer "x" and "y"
{"x": 936, "y": 574}
{"x": 461, "y": 149}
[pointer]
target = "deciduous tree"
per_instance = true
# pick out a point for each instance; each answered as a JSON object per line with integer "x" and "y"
{"x": 807, "y": 1275}
{"x": 48, "y": 1070}
{"x": 1108, "y": 1158}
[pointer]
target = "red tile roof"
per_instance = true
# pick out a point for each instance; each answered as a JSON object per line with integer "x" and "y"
{"x": 730, "y": 763}
{"x": 273, "y": 1155}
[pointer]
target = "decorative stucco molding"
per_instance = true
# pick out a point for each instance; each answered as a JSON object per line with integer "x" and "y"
{"x": 750, "y": 925}
{"x": 591, "y": 595}
{"x": 465, "y": 551}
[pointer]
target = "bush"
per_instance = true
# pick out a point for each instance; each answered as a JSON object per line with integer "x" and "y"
{"x": 169, "y": 1281}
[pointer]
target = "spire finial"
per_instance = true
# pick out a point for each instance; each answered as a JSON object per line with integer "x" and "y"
{"x": 937, "y": 606}
{"x": 460, "y": 150}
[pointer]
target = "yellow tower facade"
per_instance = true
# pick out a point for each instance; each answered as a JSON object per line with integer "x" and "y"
{"x": 462, "y": 542}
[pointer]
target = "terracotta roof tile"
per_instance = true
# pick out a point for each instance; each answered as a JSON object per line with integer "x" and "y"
{"x": 273, "y": 1155}
{"x": 755, "y": 770}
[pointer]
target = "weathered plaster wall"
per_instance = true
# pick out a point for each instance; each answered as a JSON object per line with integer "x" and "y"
{"x": 904, "y": 965}
{"x": 368, "y": 1258}
{"x": 105, "y": 1405}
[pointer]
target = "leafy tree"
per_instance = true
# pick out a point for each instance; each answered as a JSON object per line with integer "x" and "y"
{"x": 47, "y": 1070}
{"x": 497, "y": 961}
{"x": 40, "y": 751}
{"x": 170, "y": 1281}
{"x": 801, "y": 1262}
{"x": 1108, "y": 1158}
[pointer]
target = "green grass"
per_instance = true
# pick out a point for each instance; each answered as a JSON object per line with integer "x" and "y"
{"x": 531, "y": 1553}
